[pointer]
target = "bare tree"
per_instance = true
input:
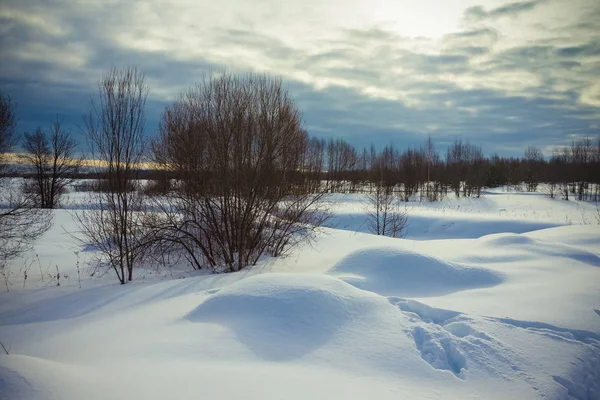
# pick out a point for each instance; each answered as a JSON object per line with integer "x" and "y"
{"x": 341, "y": 159}
{"x": 313, "y": 163}
{"x": 384, "y": 214}
{"x": 115, "y": 129}
{"x": 236, "y": 146}
{"x": 466, "y": 168}
{"x": 409, "y": 172}
{"x": 532, "y": 163}
{"x": 20, "y": 223}
{"x": 429, "y": 160}
{"x": 53, "y": 163}
{"x": 8, "y": 123}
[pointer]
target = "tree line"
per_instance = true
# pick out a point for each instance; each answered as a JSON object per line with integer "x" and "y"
{"x": 423, "y": 174}
{"x": 238, "y": 177}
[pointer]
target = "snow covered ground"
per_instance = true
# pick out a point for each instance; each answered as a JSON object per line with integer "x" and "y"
{"x": 491, "y": 298}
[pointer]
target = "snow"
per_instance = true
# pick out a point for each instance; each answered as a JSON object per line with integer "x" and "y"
{"x": 489, "y": 298}
{"x": 394, "y": 272}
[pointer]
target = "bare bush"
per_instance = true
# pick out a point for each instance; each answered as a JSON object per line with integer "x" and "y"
{"x": 115, "y": 129}
{"x": 235, "y": 145}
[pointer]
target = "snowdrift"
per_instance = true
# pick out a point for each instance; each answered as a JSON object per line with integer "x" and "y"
{"x": 533, "y": 247}
{"x": 394, "y": 272}
{"x": 284, "y": 316}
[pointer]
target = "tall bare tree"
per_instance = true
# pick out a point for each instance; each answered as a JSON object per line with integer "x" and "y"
{"x": 53, "y": 162}
{"x": 115, "y": 129}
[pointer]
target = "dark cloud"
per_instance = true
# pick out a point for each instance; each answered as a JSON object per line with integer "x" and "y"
{"x": 250, "y": 39}
{"x": 508, "y": 10}
{"x": 371, "y": 35}
{"x": 514, "y": 8}
{"x": 369, "y": 85}
{"x": 473, "y": 50}
{"x": 475, "y": 33}
{"x": 591, "y": 49}
{"x": 497, "y": 122}
{"x": 433, "y": 64}
{"x": 471, "y": 42}
{"x": 476, "y": 13}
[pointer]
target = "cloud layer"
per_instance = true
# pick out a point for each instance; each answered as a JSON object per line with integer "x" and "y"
{"x": 503, "y": 75}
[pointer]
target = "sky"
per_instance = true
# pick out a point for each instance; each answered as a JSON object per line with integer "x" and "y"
{"x": 499, "y": 74}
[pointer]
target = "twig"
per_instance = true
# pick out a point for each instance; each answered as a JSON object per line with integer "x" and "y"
{"x": 40, "y": 265}
{"x": 5, "y": 275}
{"x": 78, "y": 271}
{"x": 2, "y": 344}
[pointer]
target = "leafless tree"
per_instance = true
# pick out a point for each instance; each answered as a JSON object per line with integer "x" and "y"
{"x": 341, "y": 159}
{"x": 21, "y": 224}
{"x": 409, "y": 172}
{"x": 532, "y": 163}
{"x": 115, "y": 129}
{"x": 467, "y": 168}
{"x": 236, "y": 147}
{"x": 429, "y": 160}
{"x": 384, "y": 213}
{"x": 53, "y": 163}
{"x": 8, "y": 123}
{"x": 313, "y": 163}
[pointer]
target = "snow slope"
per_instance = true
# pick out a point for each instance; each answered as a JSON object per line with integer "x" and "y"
{"x": 509, "y": 308}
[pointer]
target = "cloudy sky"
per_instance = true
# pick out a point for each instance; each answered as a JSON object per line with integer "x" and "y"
{"x": 500, "y": 74}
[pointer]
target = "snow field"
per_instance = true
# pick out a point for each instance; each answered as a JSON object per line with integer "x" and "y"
{"x": 475, "y": 303}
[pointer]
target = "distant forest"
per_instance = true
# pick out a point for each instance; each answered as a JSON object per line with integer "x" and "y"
{"x": 419, "y": 173}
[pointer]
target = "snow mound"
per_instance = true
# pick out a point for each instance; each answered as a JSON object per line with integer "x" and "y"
{"x": 396, "y": 272}
{"x": 508, "y": 239}
{"x": 535, "y": 247}
{"x": 285, "y": 316}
